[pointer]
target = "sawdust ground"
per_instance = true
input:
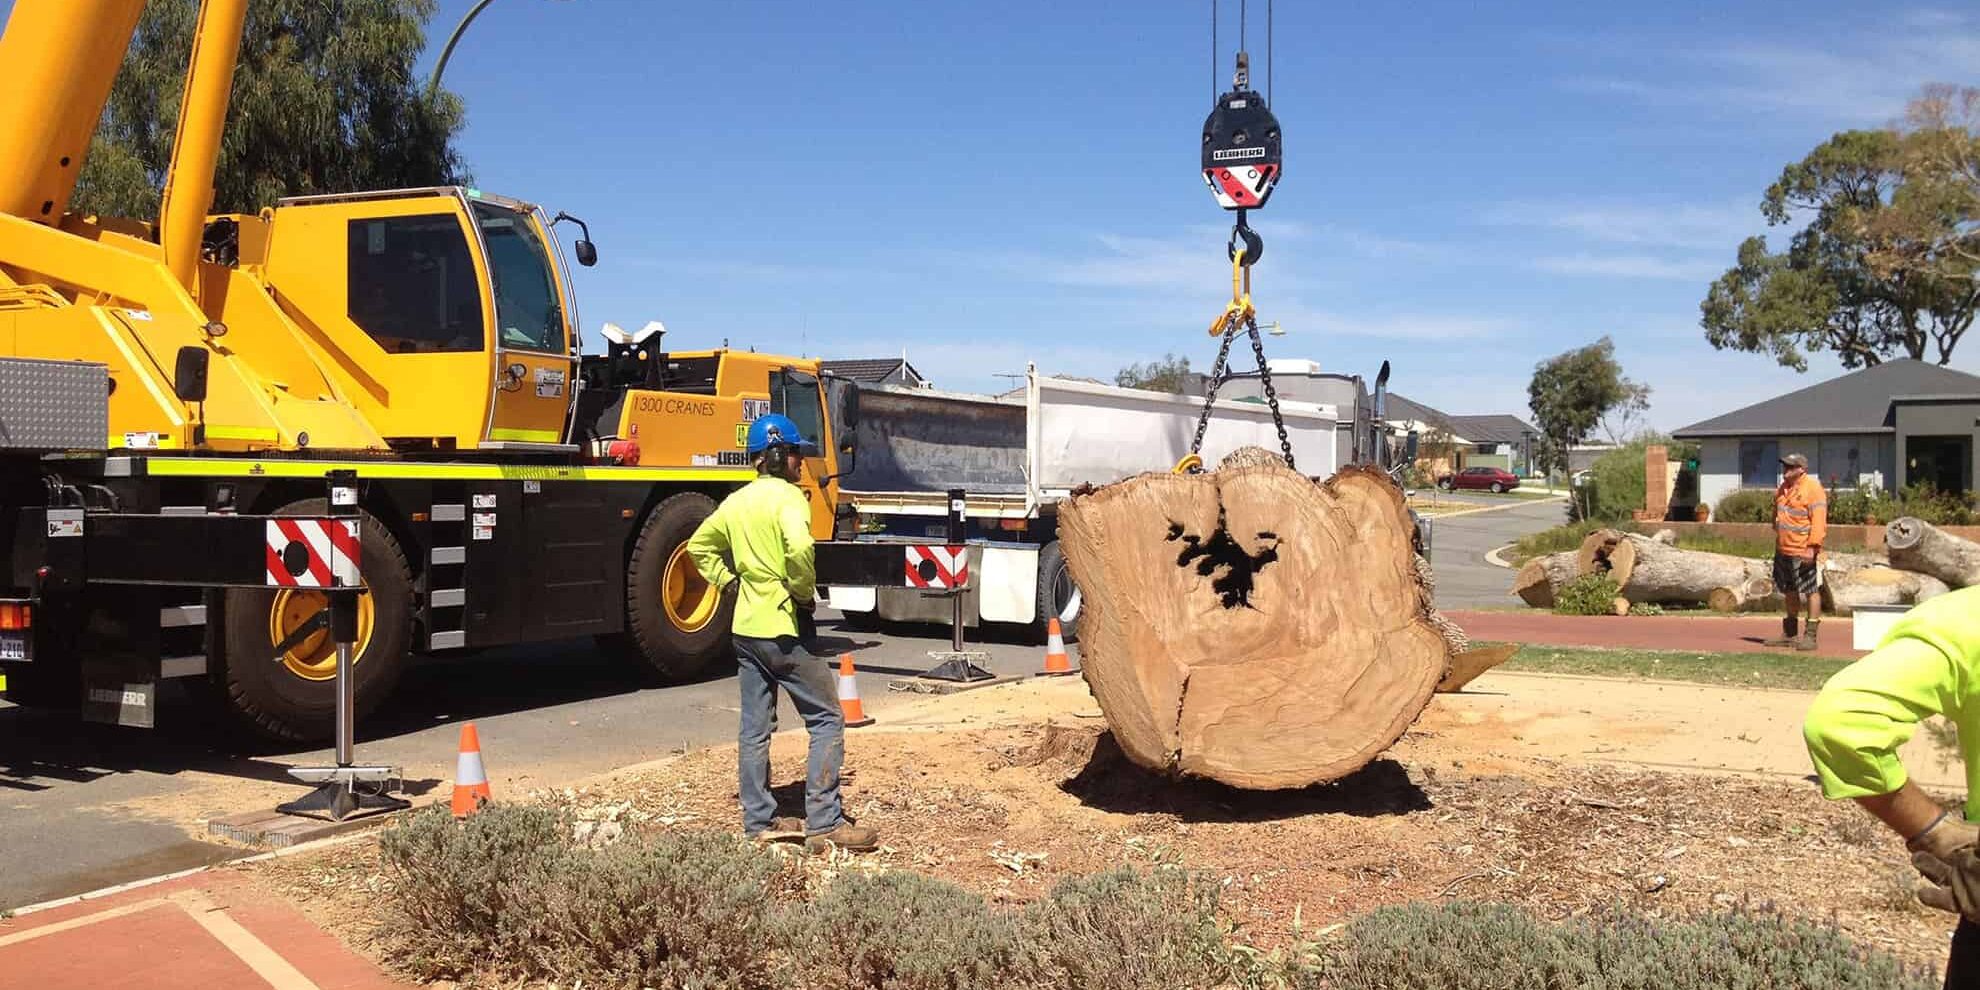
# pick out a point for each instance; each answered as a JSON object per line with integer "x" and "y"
{"x": 1492, "y": 796}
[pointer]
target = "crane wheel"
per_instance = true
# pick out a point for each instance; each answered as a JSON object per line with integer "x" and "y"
{"x": 676, "y": 622}
{"x": 1055, "y": 591}
{"x": 292, "y": 695}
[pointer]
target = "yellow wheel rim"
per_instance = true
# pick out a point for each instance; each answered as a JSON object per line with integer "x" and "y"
{"x": 315, "y": 657}
{"x": 689, "y": 600}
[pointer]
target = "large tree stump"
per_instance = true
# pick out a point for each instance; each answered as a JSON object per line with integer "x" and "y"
{"x": 1753, "y": 595}
{"x": 1649, "y": 571}
{"x": 1249, "y": 625}
{"x": 1593, "y": 556}
{"x": 1916, "y": 545}
{"x": 1540, "y": 580}
{"x": 1850, "y": 580}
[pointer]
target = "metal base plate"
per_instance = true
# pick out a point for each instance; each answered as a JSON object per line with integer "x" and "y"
{"x": 958, "y": 665}
{"x": 340, "y": 795}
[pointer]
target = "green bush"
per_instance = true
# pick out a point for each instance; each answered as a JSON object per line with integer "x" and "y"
{"x": 1478, "y": 946}
{"x": 1617, "y": 480}
{"x": 906, "y": 931}
{"x": 1589, "y": 594}
{"x": 1557, "y": 539}
{"x": 1933, "y": 506}
{"x": 1747, "y": 505}
{"x": 1131, "y": 930}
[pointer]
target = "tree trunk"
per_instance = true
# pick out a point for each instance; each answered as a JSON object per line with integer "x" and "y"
{"x": 1249, "y": 625}
{"x": 1668, "y": 537}
{"x": 1620, "y": 606}
{"x": 1753, "y": 595}
{"x": 1594, "y": 553}
{"x": 1540, "y": 580}
{"x": 1845, "y": 592}
{"x": 1466, "y": 666}
{"x": 1916, "y": 545}
{"x": 1649, "y": 571}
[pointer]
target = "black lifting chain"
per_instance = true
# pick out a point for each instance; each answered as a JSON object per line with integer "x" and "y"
{"x": 1219, "y": 372}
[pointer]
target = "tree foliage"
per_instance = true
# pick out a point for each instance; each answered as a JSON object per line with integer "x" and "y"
{"x": 1170, "y": 374}
{"x": 1571, "y": 393}
{"x": 324, "y": 100}
{"x": 1885, "y": 265}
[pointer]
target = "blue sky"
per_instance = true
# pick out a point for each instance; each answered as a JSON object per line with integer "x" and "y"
{"x": 1469, "y": 187}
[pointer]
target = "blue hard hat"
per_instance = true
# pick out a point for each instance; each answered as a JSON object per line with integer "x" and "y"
{"x": 771, "y": 429}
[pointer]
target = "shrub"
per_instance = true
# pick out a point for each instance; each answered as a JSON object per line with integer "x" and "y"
{"x": 1589, "y": 594}
{"x": 1935, "y": 507}
{"x": 1750, "y": 505}
{"x": 1617, "y": 482}
{"x": 906, "y": 931}
{"x": 1132, "y": 930}
{"x": 1457, "y": 946}
{"x": 508, "y": 891}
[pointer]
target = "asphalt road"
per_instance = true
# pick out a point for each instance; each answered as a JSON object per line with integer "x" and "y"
{"x": 80, "y": 804}
{"x": 87, "y": 806}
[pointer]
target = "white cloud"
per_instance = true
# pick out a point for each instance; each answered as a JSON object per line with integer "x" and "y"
{"x": 1691, "y": 227}
{"x": 1629, "y": 266}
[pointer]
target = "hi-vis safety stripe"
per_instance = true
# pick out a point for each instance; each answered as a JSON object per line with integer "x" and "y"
{"x": 937, "y": 567}
{"x": 312, "y": 553}
{"x": 468, "y": 771}
{"x": 230, "y": 467}
{"x": 848, "y": 689}
{"x": 525, "y": 436}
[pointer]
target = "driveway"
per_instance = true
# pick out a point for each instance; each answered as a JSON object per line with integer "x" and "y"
{"x": 1460, "y": 542}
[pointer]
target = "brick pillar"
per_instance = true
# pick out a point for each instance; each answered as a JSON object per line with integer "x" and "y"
{"x": 1656, "y": 482}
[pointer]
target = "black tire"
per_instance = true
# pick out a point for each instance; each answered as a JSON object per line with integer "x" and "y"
{"x": 865, "y": 622}
{"x": 1447, "y": 485}
{"x": 1055, "y": 587}
{"x": 270, "y": 696}
{"x": 676, "y": 652}
{"x": 1498, "y": 489}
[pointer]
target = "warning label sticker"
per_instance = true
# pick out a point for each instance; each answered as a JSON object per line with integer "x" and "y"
{"x": 484, "y": 501}
{"x": 484, "y": 519}
{"x": 755, "y": 409}
{"x": 484, "y": 532}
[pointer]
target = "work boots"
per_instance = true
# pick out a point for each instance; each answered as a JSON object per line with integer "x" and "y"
{"x": 849, "y": 837}
{"x": 1807, "y": 641}
{"x": 1789, "y": 633}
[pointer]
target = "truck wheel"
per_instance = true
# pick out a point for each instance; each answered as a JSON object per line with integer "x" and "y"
{"x": 293, "y": 695}
{"x": 679, "y": 624}
{"x": 1055, "y": 589}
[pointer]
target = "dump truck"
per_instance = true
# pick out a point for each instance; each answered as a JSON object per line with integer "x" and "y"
{"x": 175, "y": 392}
{"x": 1015, "y": 457}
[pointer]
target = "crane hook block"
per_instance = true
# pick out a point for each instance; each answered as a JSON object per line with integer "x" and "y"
{"x": 1241, "y": 150}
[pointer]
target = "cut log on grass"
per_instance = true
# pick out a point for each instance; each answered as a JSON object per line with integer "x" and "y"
{"x": 1847, "y": 591}
{"x": 1648, "y": 571}
{"x": 1620, "y": 606}
{"x": 1594, "y": 552}
{"x": 1466, "y": 666}
{"x": 1753, "y": 595}
{"x": 1539, "y": 580}
{"x": 1668, "y": 537}
{"x": 1916, "y": 545}
{"x": 1249, "y": 625}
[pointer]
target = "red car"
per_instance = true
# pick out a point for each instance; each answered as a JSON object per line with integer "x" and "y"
{"x": 1487, "y": 478}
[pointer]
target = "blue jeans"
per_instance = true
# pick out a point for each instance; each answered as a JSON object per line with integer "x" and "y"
{"x": 763, "y": 665}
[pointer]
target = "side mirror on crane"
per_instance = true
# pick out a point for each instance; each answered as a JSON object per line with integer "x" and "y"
{"x": 587, "y": 253}
{"x": 1410, "y": 445}
{"x": 189, "y": 374}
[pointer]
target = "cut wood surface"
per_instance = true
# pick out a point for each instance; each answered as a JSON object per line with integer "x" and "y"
{"x": 1619, "y": 606}
{"x": 1916, "y": 545}
{"x": 1648, "y": 571}
{"x": 1249, "y": 625}
{"x": 1753, "y": 595}
{"x": 1846, "y": 591}
{"x": 1594, "y": 552}
{"x": 1466, "y": 666}
{"x": 1540, "y": 580}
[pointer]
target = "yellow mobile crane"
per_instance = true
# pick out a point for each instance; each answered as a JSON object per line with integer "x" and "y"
{"x": 163, "y": 382}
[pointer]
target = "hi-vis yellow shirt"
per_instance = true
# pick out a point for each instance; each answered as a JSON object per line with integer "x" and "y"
{"x": 1929, "y": 664}
{"x": 760, "y": 537}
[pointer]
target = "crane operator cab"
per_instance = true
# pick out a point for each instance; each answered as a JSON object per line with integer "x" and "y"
{"x": 447, "y": 311}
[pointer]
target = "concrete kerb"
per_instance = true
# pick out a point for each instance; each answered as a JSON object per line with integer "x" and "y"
{"x": 98, "y": 894}
{"x": 1496, "y": 560}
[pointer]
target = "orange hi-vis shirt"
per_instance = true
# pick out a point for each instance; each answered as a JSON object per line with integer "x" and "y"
{"x": 1801, "y": 517}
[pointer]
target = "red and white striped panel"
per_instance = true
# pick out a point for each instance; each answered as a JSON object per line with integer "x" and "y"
{"x": 312, "y": 553}
{"x": 1241, "y": 187}
{"x": 944, "y": 568}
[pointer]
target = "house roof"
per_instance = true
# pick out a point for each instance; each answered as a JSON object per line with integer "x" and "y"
{"x": 1497, "y": 428}
{"x": 1859, "y": 402}
{"x": 870, "y": 371}
{"x": 1401, "y": 408}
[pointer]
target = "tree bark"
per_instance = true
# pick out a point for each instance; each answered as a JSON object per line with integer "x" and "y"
{"x": 1846, "y": 591}
{"x": 1594, "y": 553}
{"x": 1668, "y": 537}
{"x": 1249, "y": 625}
{"x": 1466, "y": 666}
{"x": 1540, "y": 580}
{"x": 1649, "y": 571}
{"x": 1916, "y": 545}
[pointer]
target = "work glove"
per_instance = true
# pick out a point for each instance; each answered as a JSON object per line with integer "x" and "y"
{"x": 807, "y": 621}
{"x": 1947, "y": 855}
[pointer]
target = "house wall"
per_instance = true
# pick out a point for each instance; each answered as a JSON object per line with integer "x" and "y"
{"x": 1937, "y": 419}
{"x": 1719, "y": 464}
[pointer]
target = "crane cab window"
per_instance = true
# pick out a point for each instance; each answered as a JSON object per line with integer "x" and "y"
{"x": 527, "y": 313}
{"x": 412, "y": 286}
{"x": 795, "y": 394}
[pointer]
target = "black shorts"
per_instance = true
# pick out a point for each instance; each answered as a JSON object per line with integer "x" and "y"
{"x": 1794, "y": 575}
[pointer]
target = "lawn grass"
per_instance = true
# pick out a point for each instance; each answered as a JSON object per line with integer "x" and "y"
{"x": 1569, "y": 536}
{"x": 1792, "y": 671}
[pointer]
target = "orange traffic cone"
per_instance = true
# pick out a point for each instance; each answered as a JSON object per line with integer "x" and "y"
{"x": 1057, "y": 664}
{"x": 849, "y": 694}
{"x": 470, "y": 779}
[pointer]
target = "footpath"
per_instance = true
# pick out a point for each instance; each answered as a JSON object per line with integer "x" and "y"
{"x": 1702, "y": 634}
